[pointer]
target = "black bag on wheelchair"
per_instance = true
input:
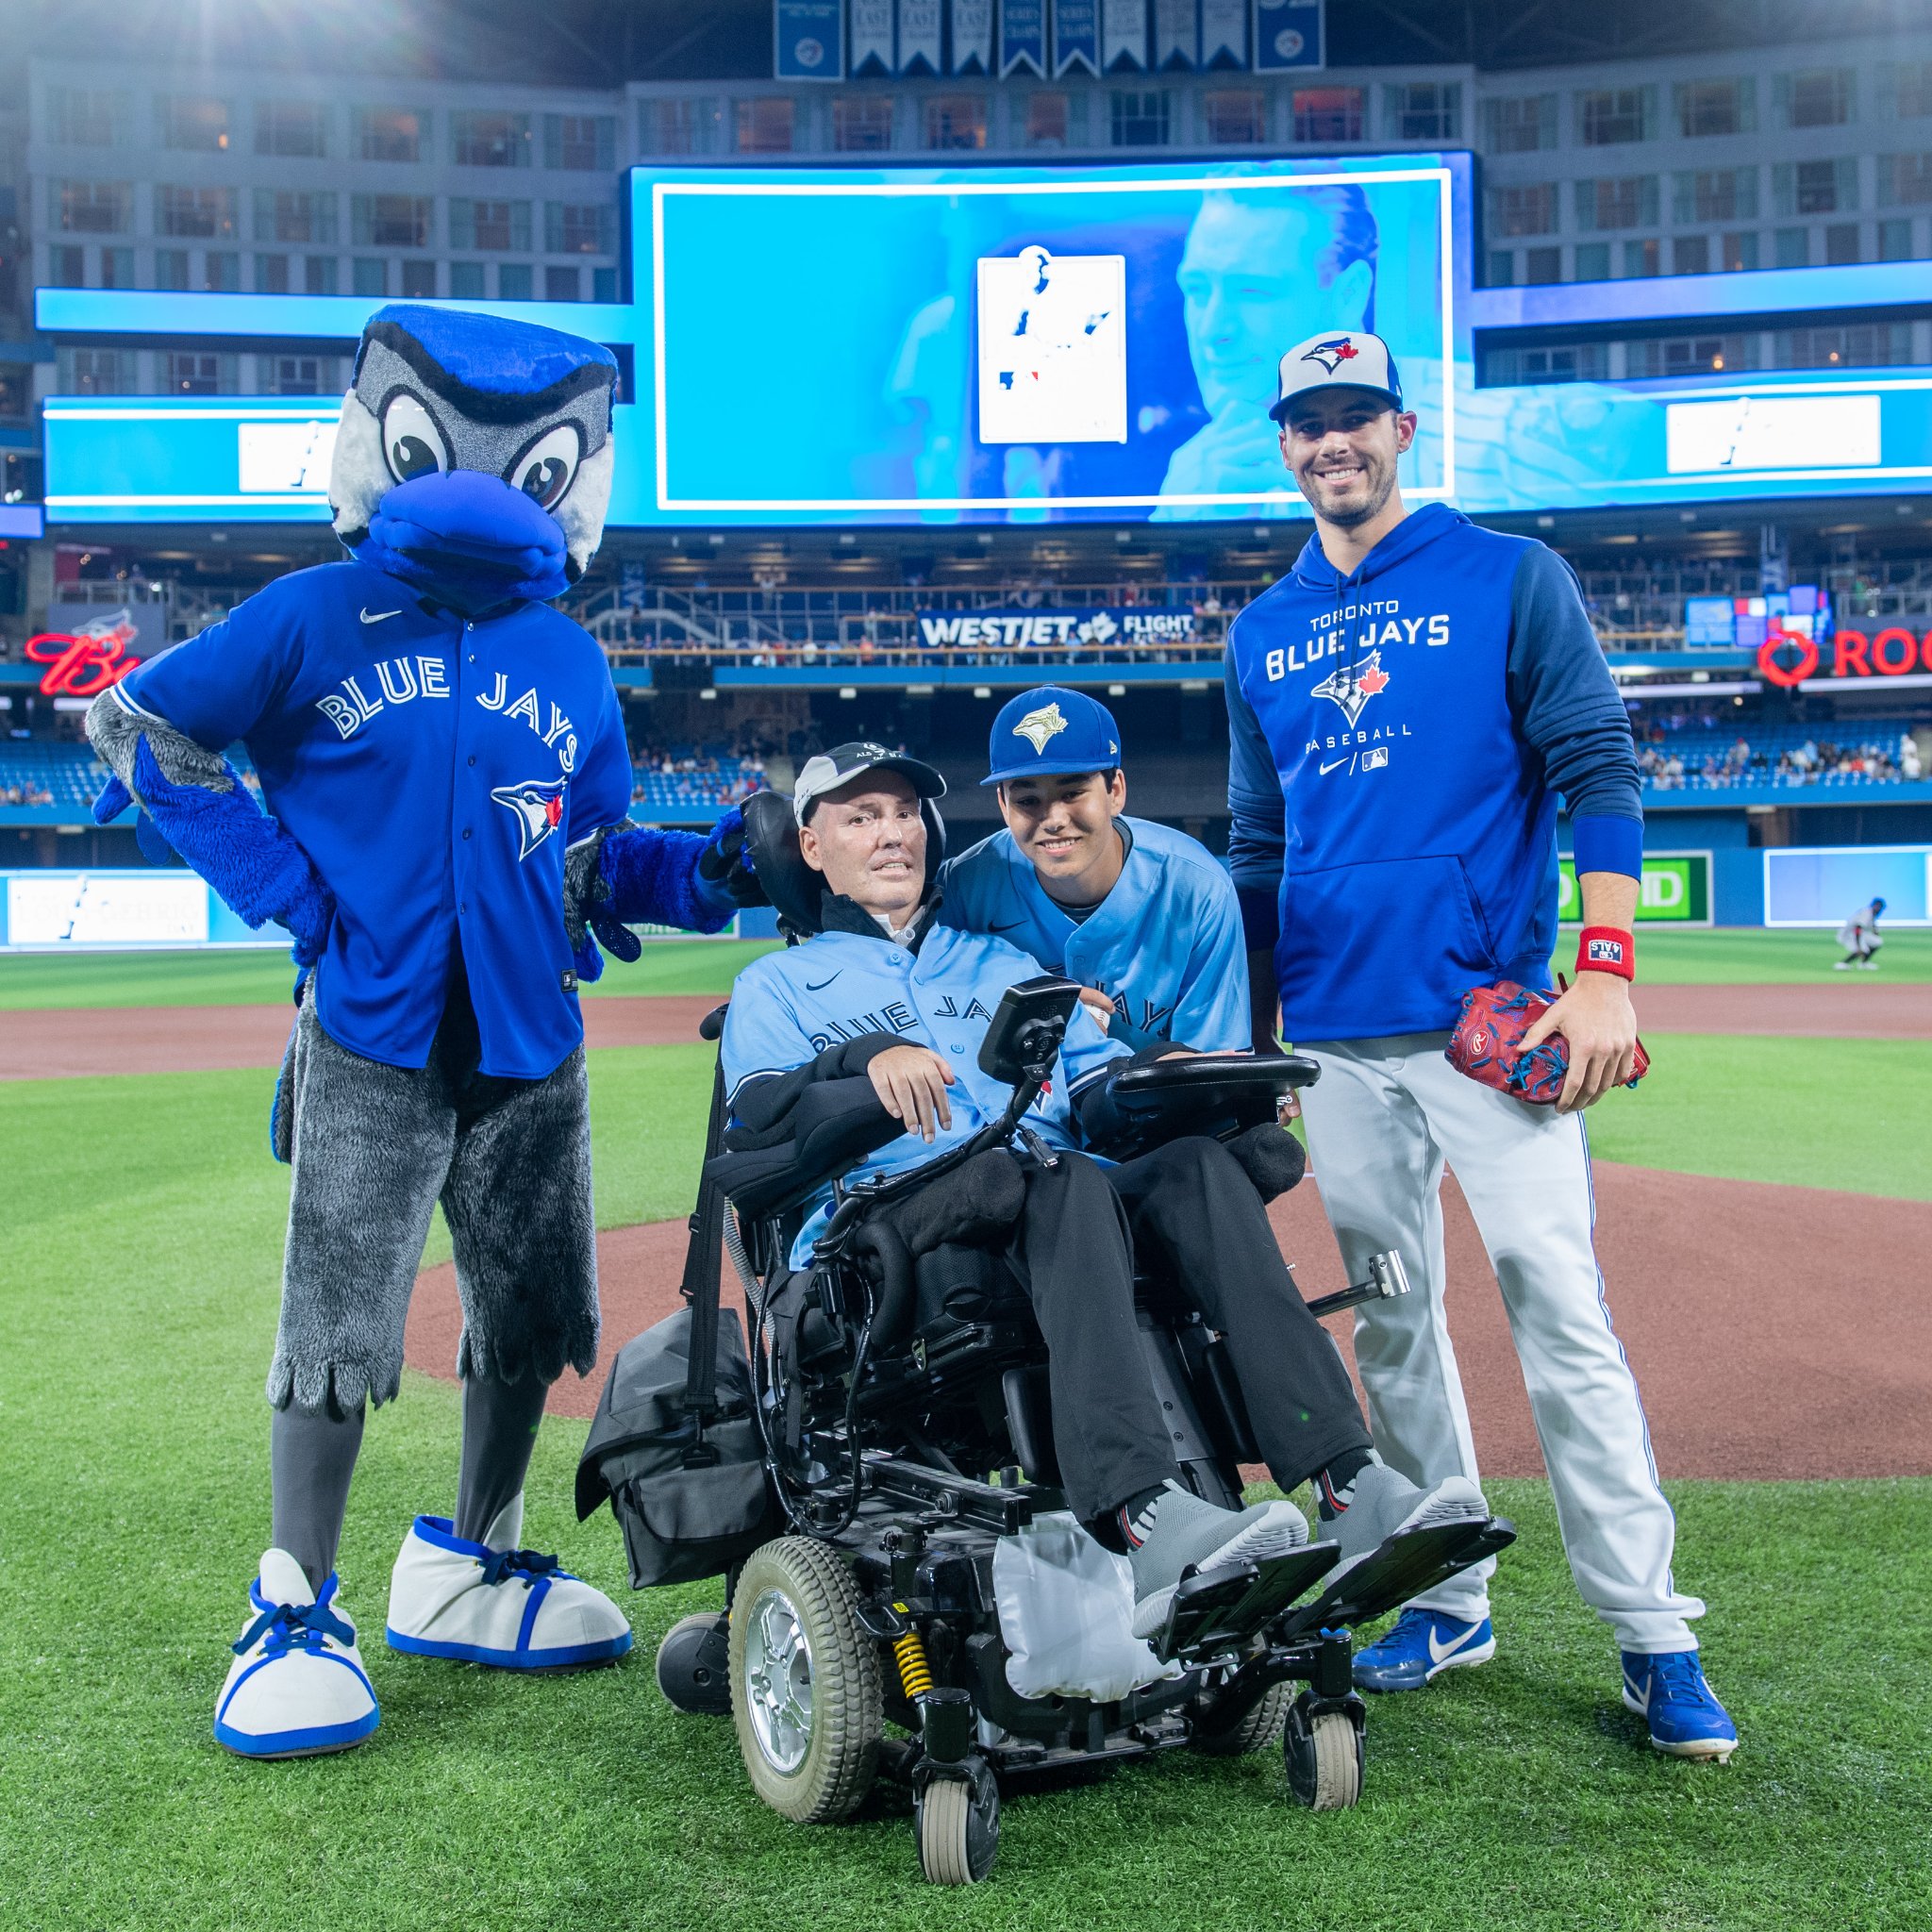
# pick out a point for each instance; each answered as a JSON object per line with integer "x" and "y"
{"x": 675, "y": 1444}
{"x": 690, "y": 1504}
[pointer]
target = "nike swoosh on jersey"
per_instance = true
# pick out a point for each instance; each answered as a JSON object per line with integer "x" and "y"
{"x": 1012, "y": 926}
{"x": 1327, "y": 769}
{"x": 822, "y": 984}
{"x": 1439, "y": 1651}
{"x": 376, "y": 616}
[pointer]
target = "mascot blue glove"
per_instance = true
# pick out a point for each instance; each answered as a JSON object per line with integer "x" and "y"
{"x": 627, "y": 875}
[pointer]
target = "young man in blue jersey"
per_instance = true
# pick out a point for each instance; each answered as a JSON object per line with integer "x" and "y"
{"x": 1145, "y": 918}
{"x": 1405, "y": 707}
{"x": 884, "y": 994}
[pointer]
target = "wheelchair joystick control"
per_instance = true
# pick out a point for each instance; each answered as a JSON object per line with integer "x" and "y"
{"x": 945, "y": 1724}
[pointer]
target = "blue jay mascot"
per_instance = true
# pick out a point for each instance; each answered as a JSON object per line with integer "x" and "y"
{"x": 444, "y": 762}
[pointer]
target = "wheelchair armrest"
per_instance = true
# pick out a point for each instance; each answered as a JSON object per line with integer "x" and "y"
{"x": 835, "y": 1125}
{"x": 1219, "y": 1095}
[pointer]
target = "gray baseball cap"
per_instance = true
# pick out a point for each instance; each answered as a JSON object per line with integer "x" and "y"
{"x": 1345, "y": 359}
{"x": 831, "y": 771}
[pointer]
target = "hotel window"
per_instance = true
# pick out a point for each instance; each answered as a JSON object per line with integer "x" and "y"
{"x": 1815, "y": 187}
{"x": 1904, "y": 179}
{"x": 1739, "y": 252}
{"x": 953, "y": 121}
{"x": 295, "y": 375}
{"x": 587, "y": 143}
{"x": 1047, "y": 120}
{"x": 297, "y": 129}
{"x": 1641, "y": 257}
{"x": 95, "y": 373}
{"x": 1542, "y": 264}
{"x": 390, "y": 221}
{"x": 67, "y": 266}
{"x": 389, "y": 134}
{"x": 284, "y": 215}
{"x": 93, "y": 208}
{"x": 319, "y": 275}
{"x": 1691, "y": 356}
{"x": 485, "y": 139}
{"x": 89, "y": 117}
{"x": 1841, "y": 245}
{"x": 1715, "y": 107}
{"x": 1610, "y": 116}
{"x": 1140, "y": 119}
{"x": 191, "y": 121}
{"x": 1423, "y": 110}
{"x": 1715, "y": 195}
{"x": 1593, "y": 261}
{"x": 1895, "y": 240}
{"x": 466, "y": 281}
{"x": 683, "y": 126}
{"x": 579, "y": 228}
{"x": 862, "y": 124}
{"x": 1525, "y": 210}
{"x": 1860, "y": 346}
{"x": 1235, "y": 116}
{"x": 1690, "y": 255}
{"x": 1819, "y": 97}
{"x": 1521, "y": 126}
{"x": 513, "y": 281}
{"x": 190, "y": 373}
{"x": 562, "y": 285}
{"x": 1624, "y": 201}
{"x": 171, "y": 269}
{"x": 370, "y": 273}
{"x": 1325, "y": 114}
{"x": 499, "y": 227}
{"x": 764, "y": 124}
{"x": 194, "y": 212}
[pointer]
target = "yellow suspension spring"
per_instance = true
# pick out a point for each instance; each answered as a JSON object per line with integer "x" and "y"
{"x": 909, "y": 1652}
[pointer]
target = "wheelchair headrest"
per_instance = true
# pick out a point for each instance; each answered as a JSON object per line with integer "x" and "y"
{"x": 795, "y": 891}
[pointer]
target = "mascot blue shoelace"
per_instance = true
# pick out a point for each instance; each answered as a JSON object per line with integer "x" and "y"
{"x": 444, "y": 833}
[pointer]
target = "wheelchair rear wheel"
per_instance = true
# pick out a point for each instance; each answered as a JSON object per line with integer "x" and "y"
{"x": 1261, "y": 1730}
{"x": 804, "y": 1682}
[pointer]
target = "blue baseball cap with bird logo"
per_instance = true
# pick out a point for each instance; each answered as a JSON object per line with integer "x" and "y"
{"x": 1051, "y": 730}
{"x": 1342, "y": 359}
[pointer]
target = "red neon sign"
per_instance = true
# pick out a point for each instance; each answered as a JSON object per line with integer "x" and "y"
{"x": 83, "y": 667}
{"x": 1776, "y": 637}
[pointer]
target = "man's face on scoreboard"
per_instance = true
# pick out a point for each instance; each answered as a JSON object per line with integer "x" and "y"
{"x": 1341, "y": 445}
{"x": 1063, "y": 822}
{"x": 869, "y": 839}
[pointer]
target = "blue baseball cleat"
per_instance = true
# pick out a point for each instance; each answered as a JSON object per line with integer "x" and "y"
{"x": 1422, "y": 1645}
{"x": 1669, "y": 1694}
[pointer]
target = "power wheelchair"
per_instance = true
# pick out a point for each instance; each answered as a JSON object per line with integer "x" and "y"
{"x": 899, "y": 1408}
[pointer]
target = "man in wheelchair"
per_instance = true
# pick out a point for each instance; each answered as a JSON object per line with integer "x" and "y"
{"x": 881, "y": 998}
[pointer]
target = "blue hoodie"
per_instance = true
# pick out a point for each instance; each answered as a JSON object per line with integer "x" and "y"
{"x": 1399, "y": 737}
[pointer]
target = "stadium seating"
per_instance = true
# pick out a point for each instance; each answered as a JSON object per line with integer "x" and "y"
{"x": 1810, "y": 758}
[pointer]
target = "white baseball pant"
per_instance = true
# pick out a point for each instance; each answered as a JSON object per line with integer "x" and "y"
{"x": 1382, "y": 1120}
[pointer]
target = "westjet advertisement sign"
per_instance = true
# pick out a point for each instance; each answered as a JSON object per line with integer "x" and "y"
{"x": 1117, "y": 628}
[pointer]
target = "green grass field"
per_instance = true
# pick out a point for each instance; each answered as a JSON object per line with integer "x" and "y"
{"x": 1719, "y": 957}
{"x": 138, "y": 1258}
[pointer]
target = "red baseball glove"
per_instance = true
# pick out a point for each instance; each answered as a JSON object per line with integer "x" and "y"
{"x": 1487, "y": 1044}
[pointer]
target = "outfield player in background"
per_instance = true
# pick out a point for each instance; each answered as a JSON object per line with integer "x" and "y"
{"x": 1860, "y": 938}
{"x": 1404, "y": 708}
{"x": 1143, "y": 917}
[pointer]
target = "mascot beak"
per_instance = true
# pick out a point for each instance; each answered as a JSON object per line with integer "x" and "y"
{"x": 473, "y": 535}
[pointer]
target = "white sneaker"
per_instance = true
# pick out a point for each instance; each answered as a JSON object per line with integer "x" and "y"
{"x": 297, "y": 1687}
{"x": 491, "y": 1603}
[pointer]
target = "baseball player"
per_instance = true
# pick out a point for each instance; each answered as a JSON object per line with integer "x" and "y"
{"x": 1405, "y": 707}
{"x": 1860, "y": 938}
{"x": 1143, "y": 916}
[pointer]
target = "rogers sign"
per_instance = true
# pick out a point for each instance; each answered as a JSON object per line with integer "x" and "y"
{"x": 1787, "y": 660}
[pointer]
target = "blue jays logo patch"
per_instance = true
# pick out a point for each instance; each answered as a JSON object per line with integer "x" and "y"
{"x": 1351, "y": 685}
{"x": 537, "y": 805}
{"x": 1332, "y": 354}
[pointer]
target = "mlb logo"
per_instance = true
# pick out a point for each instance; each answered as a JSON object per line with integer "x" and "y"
{"x": 1374, "y": 761}
{"x": 1606, "y": 952}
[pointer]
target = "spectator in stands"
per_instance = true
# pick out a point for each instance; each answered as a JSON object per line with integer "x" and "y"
{"x": 1911, "y": 767}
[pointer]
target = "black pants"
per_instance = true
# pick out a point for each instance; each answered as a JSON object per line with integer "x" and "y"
{"x": 1197, "y": 1222}
{"x": 1071, "y": 1248}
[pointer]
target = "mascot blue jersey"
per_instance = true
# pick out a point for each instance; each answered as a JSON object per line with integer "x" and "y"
{"x": 787, "y": 1007}
{"x": 433, "y": 767}
{"x": 1165, "y": 944}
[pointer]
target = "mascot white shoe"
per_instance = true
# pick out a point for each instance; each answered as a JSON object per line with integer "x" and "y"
{"x": 297, "y": 1687}
{"x": 491, "y": 1603}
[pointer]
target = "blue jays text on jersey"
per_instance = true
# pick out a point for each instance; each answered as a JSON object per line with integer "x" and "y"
{"x": 787, "y": 1007}
{"x": 1398, "y": 740}
{"x": 433, "y": 768}
{"x": 1165, "y": 944}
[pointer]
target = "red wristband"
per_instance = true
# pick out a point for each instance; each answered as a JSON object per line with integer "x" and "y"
{"x": 1604, "y": 949}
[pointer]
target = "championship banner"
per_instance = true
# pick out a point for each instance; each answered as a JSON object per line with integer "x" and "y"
{"x": 920, "y": 35}
{"x": 972, "y": 36}
{"x": 1224, "y": 33}
{"x": 1075, "y": 35}
{"x": 872, "y": 37}
{"x": 1122, "y": 36}
{"x": 1115, "y": 627}
{"x": 1022, "y": 37}
{"x": 1288, "y": 33}
{"x": 1177, "y": 39}
{"x": 808, "y": 40}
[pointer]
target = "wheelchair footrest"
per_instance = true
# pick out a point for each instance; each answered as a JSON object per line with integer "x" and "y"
{"x": 1404, "y": 1567}
{"x": 1224, "y": 1607}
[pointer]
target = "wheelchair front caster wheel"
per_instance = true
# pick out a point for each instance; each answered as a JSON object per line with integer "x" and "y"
{"x": 958, "y": 1820}
{"x": 1323, "y": 1751}
{"x": 695, "y": 1665}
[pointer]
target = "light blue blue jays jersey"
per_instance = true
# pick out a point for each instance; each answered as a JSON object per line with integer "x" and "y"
{"x": 787, "y": 1007}
{"x": 1165, "y": 944}
{"x": 433, "y": 768}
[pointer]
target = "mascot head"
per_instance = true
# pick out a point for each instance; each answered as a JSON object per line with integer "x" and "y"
{"x": 474, "y": 458}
